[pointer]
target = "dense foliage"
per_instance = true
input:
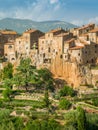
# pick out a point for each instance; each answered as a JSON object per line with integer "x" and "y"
{"x": 41, "y": 111}
{"x": 81, "y": 119}
{"x": 64, "y": 104}
{"x": 95, "y": 101}
{"x": 66, "y": 90}
{"x": 7, "y": 72}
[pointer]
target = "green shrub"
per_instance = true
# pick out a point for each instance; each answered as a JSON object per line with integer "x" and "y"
{"x": 66, "y": 90}
{"x": 7, "y": 94}
{"x": 95, "y": 101}
{"x": 92, "y": 121}
{"x": 4, "y": 114}
{"x": 64, "y": 104}
{"x": 81, "y": 119}
{"x": 43, "y": 125}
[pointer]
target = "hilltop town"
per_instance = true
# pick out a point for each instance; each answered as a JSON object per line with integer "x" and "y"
{"x": 69, "y": 54}
{"x": 49, "y": 80}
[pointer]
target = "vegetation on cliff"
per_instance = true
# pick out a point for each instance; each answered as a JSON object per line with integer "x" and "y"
{"x": 29, "y": 99}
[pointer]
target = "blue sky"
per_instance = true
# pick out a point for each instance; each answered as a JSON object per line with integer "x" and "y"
{"x": 75, "y": 11}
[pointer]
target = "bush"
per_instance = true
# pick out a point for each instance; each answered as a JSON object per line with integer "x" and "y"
{"x": 7, "y": 94}
{"x": 92, "y": 121}
{"x": 66, "y": 90}
{"x": 81, "y": 119}
{"x": 64, "y": 104}
{"x": 43, "y": 125}
{"x": 95, "y": 101}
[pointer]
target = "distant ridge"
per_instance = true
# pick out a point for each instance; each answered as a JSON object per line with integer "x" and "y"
{"x": 20, "y": 25}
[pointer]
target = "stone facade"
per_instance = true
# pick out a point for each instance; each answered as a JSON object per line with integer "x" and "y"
{"x": 64, "y": 53}
{"x": 9, "y": 52}
{"x": 5, "y": 37}
{"x": 27, "y": 42}
{"x": 68, "y": 54}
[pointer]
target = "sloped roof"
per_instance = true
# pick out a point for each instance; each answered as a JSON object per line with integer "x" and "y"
{"x": 76, "y": 48}
{"x": 94, "y": 30}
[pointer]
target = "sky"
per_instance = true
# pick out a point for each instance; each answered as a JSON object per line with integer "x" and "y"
{"x": 78, "y": 12}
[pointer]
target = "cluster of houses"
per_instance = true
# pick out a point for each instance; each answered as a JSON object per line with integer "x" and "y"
{"x": 59, "y": 50}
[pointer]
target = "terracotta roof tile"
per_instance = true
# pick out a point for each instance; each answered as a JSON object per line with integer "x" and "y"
{"x": 30, "y": 31}
{"x": 7, "y": 32}
{"x": 94, "y": 30}
{"x": 56, "y": 30}
{"x": 9, "y": 43}
{"x": 70, "y": 40}
{"x": 42, "y": 37}
{"x": 83, "y": 27}
{"x": 62, "y": 34}
{"x": 76, "y": 48}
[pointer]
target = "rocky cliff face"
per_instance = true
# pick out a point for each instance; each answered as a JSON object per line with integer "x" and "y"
{"x": 74, "y": 74}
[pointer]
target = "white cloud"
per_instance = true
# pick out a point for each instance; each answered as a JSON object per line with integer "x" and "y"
{"x": 54, "y": 1}
{"x": 40, "y": 10}
{"x": 87, "y": 21}
{"x": 77, "y": 22}
{"x": 93, "y": 20}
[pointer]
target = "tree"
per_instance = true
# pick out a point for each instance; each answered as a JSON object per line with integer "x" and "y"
{"x": 95, "y": 101}
{"x": 64, "y": 104}
{"x": 66, "y": 90}
{"x": 7, "y": 72}
{"x": 81, "y": 119}
{"x": 7, "y": 93}
{"x": 45, "y": 79}
{"x": 25, "y": 73}
{"x": 46, "y": 99}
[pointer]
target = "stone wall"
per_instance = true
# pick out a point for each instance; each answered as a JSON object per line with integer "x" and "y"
{"x": 94, "y": 77}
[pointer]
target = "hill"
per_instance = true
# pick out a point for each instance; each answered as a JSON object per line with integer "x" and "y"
{"x": 20, "y": 25}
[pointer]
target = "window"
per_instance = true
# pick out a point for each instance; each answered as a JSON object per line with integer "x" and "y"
{"x": 13, "y": 58}
{"x": 10, "y": 46}
{"x": 49, "y": 49}
{"x": 61, "y": 56}
{"x": 48, "y": 35}
{"x": 43, "y": 54}
{"x": 92, "y": 60}
{"x": 56, "y": 53}
{"x": 85, "y": 52}
{"x": 6, "y": 54}
{"x": 78, "y": 54}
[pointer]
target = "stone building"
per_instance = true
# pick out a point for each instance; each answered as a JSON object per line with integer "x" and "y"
{"x": 9, "y": 52}
{"x": 27, "y": 44}
{"x": 68, "y": 54}
{"x": 51, "y": 45}
{"x": 93, "y": 35}
{"x": 5, "y": 37}
{"x": 63, "y": 53}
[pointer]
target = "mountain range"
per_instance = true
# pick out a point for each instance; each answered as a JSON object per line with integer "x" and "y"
{"x": 20, "y": 25}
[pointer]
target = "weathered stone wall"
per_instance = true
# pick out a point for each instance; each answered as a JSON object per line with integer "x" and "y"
{"x": 94, "y": 77}
{"x": 73, "y": 73}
